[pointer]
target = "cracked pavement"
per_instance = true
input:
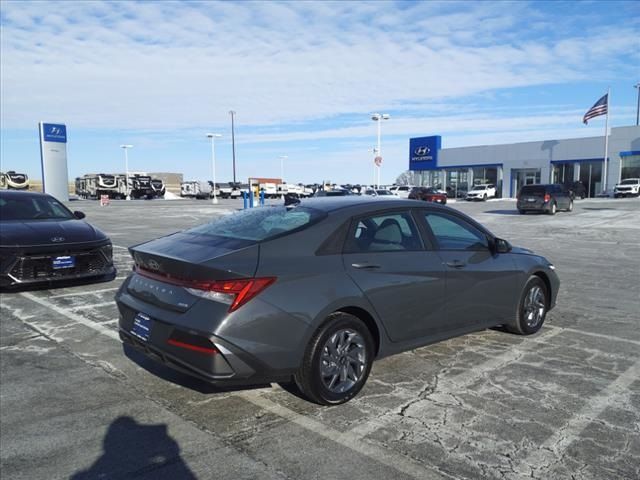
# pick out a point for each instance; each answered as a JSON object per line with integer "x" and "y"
{"x": 564, "y": 403}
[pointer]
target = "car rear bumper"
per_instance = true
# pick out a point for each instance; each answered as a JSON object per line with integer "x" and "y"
{"x": 241, "y": 357}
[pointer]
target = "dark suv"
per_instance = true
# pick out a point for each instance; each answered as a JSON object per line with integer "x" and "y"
{"x": 544, "y": 198}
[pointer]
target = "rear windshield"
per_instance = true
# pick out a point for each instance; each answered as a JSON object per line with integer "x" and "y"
{"x": 258, "y": 224}
{"x": 32, "y": 207}
{"x": 533, "y": 190}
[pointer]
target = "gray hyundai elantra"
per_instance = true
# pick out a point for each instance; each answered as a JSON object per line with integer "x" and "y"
{"x": 313, "y": 292}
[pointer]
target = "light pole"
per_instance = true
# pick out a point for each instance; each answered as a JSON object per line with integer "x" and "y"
{"x": 637, "y": 85}
{"x": 377, "y": 117}
{"x": 233, "y": 143}
{"x": 126, "y": 169}
{"x": 282, "y": 159}
{"x": 213, "y": 137}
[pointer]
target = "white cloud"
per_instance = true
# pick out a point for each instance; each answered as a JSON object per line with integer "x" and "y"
{"x": 163, "y": 65}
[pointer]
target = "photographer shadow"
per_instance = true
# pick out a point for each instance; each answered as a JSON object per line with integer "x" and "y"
{"x": 133, "y": 450}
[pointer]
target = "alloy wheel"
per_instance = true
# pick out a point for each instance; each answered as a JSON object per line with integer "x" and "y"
{"x": 534, "y": 306}
{"x": 343, "y": 360}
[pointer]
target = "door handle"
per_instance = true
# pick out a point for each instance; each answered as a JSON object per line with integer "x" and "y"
{"x": 456, "y": 264}
{"x": 365, "y": 265}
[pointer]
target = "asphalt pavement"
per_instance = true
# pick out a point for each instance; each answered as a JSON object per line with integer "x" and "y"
{"x": 564, "y": 403}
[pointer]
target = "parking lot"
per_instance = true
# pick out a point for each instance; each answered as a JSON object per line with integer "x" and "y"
{"x": 564, "y": 403}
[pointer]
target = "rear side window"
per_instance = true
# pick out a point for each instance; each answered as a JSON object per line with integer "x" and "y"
{"x": 384, "y": 233}
{"x": 258, "y": 224}
{"x": 453, "y": 233}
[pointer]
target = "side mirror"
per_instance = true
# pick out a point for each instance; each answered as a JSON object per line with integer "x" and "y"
{"x": 501, "y": 246}
{"x": 79, "y": 215}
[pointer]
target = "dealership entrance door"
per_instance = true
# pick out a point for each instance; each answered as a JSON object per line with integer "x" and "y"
{"x": 523, "y": 176}
{"x": 591, "y": 177}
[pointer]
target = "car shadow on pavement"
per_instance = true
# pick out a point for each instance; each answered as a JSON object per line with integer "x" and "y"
{"x": 178, "y": 378}
{"x": 503, "y": 212}
{"x": 133, "y": 450}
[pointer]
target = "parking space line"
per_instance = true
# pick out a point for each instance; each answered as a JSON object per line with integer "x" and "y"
{"x": 75, "y": 294}
{"x": 98, "y": 327}
{"x": 563, "y": 437}
{"x": 396, "y": 461}
{"x": 347, "y": 439}
{"x": 597, "y": 335}
{"x": 93, "y": 305}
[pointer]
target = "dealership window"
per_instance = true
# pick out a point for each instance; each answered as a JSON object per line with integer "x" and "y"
{"x": 457, "y": 182}
{"x": 492, "y": 175}
{"x": 630, "y": 167}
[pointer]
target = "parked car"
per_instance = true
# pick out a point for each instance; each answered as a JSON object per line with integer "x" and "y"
{"x": 315, "y": 291}
{"x": 383, "y": 192}
{"x": 43, "y": 243}
{"x": 336, "y": 192}
{"x": 428, "y": 194}
{"x": 481, "y": 192}
{"x": 544, "y": 198}
{"x": 401, "y": 191}
{"x": 577, "y": 189}
{"x": 629, "y": 187}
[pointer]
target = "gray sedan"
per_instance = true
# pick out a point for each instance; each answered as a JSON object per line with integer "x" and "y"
{"x": 315, "y": 291}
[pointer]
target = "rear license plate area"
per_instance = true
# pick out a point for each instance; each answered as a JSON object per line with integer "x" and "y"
{"x": 59, "y": 263}
{"x": 141, "y": 327}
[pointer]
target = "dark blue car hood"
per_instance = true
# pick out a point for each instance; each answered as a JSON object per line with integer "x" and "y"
{"x": 42, "y": 232}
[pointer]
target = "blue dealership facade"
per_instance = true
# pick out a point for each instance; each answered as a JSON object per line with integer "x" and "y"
{"x": 510, "y": 166}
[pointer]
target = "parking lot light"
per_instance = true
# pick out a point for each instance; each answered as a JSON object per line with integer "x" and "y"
{"x": 213, "y": 137}
{"x": 126, "y": 169}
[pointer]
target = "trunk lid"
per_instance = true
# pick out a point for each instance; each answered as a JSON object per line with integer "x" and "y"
{"x": 188, "y": 257}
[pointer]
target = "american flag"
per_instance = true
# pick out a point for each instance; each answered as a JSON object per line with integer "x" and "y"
{"x": 599, "y": 108}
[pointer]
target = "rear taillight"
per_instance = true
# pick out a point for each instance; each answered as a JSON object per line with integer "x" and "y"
{"x": 547, "y": 197}
{"x": 234, "y": 293}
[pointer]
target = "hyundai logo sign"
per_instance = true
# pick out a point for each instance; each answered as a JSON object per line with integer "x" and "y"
{"x": 423, "y": 153}
{"x": 54, "y": 132}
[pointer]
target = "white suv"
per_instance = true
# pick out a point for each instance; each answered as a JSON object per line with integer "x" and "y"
{"x": 482, "y": 192}
{"x": 628, "y": 186}
{"x": 401, "y": 191}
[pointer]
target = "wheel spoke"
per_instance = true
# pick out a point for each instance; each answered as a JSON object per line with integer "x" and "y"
{"x": 343, "y": 360}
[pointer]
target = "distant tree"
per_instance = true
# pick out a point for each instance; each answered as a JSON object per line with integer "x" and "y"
{"x": 408, "y": 178}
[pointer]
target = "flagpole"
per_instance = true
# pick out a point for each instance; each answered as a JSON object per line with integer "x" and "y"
{"x": 606, "y": 143}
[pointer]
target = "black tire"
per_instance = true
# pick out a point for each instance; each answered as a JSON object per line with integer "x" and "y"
{"x": 522, "y": 323}
{"x": 309, "y": 379}
{"x": 484, "y": 197}
{"x": 553, "y": 209}
{"x": 570, "y": 207}
{"x": 522, "y": 212}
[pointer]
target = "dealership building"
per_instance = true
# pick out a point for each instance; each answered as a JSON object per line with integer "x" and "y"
{"x": 510, "y": 166}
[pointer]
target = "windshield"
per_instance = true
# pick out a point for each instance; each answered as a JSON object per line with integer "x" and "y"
{"x": 479, "y": 187}
{"x": 32, "y": 207}
{"x": 630, "y": 181}
{"x": 383, "y": 192}
{"x": 260, "y": 223}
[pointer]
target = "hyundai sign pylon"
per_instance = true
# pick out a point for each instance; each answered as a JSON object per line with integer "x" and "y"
{"x": 53, "y": 157}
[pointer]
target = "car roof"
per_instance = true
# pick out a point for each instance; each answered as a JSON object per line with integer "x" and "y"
{"x": 365, "y": 203}
{"x": 21, "y": 193}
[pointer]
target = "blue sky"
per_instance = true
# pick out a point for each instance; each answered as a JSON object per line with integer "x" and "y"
{"x": 304, "y": 78}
